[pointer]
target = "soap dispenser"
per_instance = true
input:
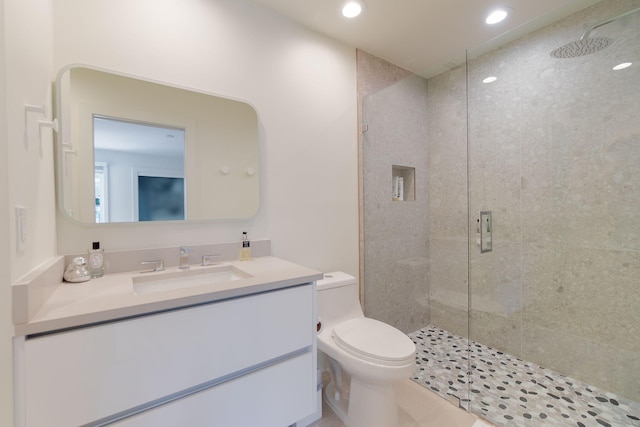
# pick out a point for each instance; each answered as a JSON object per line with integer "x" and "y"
{"x": 96, "y": 260}
{"x": 245, "y": 249}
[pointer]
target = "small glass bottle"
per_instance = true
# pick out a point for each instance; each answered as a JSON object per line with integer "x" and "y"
{"x": 96, "y": 260}
{"x": 245, "y": 250}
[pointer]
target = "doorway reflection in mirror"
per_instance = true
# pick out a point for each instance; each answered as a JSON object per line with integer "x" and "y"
{"x": 146, "y": 158}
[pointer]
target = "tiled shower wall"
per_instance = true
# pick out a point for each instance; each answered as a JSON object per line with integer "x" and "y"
{"x": 394, "y": 240}
{"x": 406, "y": 283}
{"x": 554, "y": 149}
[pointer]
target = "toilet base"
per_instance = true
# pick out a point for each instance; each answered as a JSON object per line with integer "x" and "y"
{"x": 368, "y": 405}
{"x": 338, "y": 402}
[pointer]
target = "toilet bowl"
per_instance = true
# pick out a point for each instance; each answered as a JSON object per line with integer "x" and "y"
{"x": 365, "y": 357}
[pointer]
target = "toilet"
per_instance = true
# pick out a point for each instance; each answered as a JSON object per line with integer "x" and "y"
{"x": 364, "y": 357}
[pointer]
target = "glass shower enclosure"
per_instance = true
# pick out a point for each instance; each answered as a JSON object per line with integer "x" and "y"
{"x": 513, "y": 261}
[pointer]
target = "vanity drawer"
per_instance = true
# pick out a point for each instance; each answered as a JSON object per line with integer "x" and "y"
{"x": 269, "y": 397}
{"x": 108, "y": 369}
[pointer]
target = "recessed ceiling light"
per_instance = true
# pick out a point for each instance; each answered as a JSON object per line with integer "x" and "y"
{"x": 496, "y": 16}
{"x": 622, "y": 66}
{"x": 352, "y": 8}
{"x": 490, "y": 79}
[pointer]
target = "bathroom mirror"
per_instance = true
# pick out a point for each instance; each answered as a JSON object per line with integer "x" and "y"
{"x": 128, "y": 145}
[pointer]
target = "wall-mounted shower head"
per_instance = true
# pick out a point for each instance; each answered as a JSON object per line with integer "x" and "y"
{"x": 581, "y": 47}
{"x": 587, "y": 45}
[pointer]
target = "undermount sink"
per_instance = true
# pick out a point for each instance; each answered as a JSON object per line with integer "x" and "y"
{"x": 164, "y": 281}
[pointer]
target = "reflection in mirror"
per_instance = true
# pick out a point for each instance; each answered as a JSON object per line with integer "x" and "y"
{"x": 152, "y": 156}
{"x": 123, "y": 139}
{"x": 160, "y": 198}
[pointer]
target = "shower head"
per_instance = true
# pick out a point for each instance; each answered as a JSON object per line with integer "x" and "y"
{"x": 581, "y": 47}
{"x": 587, "y": 45}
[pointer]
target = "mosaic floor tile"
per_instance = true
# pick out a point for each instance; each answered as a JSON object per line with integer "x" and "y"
{"x": 509, "y": 391}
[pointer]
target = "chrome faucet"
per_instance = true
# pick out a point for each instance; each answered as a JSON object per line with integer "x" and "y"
{"x": 184, "y": 256}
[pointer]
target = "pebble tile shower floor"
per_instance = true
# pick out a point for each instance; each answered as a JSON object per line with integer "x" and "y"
{"x": 512, "y": 392}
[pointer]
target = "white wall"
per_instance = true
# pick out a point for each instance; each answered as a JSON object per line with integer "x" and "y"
{"x": 26, "y": 165}
{"x": 28, "y": 64}
{"x": 6, "y": 380}
{"x": 301, "y": 84}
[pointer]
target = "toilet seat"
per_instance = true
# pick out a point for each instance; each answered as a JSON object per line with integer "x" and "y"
{"x": 374, "y": 341}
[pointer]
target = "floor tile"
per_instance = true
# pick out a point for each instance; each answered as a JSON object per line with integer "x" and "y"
{"x": 509, "y": 391}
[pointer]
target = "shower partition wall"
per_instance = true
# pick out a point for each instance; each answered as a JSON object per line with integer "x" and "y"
{"x": 396, "y": 250}
{"x": 545, "y": 328}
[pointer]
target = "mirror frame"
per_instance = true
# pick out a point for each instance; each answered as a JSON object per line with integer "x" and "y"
{"x": 65, "y": 148}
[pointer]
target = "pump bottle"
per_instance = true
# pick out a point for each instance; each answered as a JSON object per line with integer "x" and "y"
{"x": 96, "y": 260}
{"x": 245, "y": 249}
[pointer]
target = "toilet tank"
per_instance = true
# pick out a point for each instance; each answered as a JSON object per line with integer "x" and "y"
{"x": 338, "y": 298}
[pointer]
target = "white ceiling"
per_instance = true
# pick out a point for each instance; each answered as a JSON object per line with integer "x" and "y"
{"x": 425, "y": 37}
{"x": 137, "y": 138}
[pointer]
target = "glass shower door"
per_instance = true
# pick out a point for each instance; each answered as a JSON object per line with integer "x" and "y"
{"x": 415, "y": 241}
{"x": 554, "y": 155}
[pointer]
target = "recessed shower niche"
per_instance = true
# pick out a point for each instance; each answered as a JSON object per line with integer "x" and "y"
{"x": 403, "y": 183}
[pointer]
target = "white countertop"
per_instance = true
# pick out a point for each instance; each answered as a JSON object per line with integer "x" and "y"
{"x": 112, "y": 296}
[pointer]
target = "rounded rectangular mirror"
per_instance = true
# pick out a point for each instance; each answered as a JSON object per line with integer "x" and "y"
{"x": 133, "y": 150}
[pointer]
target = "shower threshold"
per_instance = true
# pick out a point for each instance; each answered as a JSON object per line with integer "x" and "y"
{"x": 509, "y": 391}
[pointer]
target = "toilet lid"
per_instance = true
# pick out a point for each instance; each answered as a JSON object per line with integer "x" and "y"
{"x": 374, "y": 340}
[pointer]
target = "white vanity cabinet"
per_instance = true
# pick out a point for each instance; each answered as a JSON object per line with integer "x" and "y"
{"x": 246, "y": 361}
{"x": 267, "y": 397}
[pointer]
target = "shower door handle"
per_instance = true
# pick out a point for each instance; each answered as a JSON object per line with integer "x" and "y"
{"x": 486, "y": 231}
